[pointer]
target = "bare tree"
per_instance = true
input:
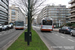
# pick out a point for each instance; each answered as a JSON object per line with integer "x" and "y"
{"x": 35, "y": 6}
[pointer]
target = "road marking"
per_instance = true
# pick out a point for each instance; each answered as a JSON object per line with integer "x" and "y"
{"x": 69, "y": 37}
{"x": 71, "y": 40}
{"x": 56, "y": 34}
{"x": 62, "y": 37}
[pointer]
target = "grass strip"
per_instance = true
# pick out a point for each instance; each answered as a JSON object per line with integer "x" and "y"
{"x": 36, "y": 44}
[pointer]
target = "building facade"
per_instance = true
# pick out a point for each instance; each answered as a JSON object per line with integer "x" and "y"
{"x": 15, "y": 14}
{"x": 4, "y": 6}
{"x": 72, "y": 2}
{"x": 57, "y": 13}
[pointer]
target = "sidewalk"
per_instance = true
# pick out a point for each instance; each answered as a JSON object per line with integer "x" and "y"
{"x": 56, "y": 29}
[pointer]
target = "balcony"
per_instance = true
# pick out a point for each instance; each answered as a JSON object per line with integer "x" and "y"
{"x": 71, "y": 1}
{"x": 73, "y": 10}
{"x": 72, "y": 6}
{"x": 73, "y": 19}
{"x": 72, "y": 16}
{"x": 12, "y": 20}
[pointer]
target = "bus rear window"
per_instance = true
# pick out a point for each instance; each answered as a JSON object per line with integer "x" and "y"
{"x": 47, "y": 22}
{"x": 19, "y": 23}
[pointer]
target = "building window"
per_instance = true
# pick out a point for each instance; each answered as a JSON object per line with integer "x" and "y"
{"x": 13, "y": 12}
{"x": 12, "y": 18}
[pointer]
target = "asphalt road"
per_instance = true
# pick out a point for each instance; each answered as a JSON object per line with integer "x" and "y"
{"x": 8, "y": 35}
{"x": 56, "y": 40}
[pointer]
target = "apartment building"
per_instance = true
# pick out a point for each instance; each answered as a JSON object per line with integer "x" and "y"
{"x": 4, "y": 6}
{"x": 72, "y": 2}
{"x": 58, "y": 13}
{"x": 16, "y": 14}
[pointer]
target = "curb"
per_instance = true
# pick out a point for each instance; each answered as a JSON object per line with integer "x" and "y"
{"x": 10, "y": 42}
{"x": 56, "y": 30}
{"x": 45, "y": 42}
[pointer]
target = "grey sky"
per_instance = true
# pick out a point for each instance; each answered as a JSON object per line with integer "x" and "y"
{"x": 57, "y": 2}
{"x": 50, "y": 2}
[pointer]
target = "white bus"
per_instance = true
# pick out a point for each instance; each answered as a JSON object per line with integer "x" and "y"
{"x": 19, "y": 25}
{"x": 46, "y": 24}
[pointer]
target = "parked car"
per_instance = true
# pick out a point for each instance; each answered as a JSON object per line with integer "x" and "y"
{"x": 0, "y": 27}
{"x": 73, "y": 32}
{"x": 65, "y": 29}
{"x": 10, "y": 26}
{"x": 5, "y": 27}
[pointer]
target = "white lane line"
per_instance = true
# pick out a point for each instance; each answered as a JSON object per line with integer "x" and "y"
{"x": 62, "y": 37}
{"x": 69, "y": 37}
{"x": 71, "y": 40}
{"x": 56, "y": 34}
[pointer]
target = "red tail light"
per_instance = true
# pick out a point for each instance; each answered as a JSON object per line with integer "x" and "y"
{"x": 52, "y": 26}
{"x": 67, "y": 29}
{"x": 41, "y": 25}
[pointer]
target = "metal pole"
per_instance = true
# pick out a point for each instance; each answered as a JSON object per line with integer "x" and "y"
{"x": 28, "y": 43}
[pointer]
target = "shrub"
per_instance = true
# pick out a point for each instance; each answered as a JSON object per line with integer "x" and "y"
{"x": 73, "y": 25}
{"x": 69, "y": 24}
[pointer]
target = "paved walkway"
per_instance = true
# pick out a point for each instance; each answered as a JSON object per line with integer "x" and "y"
{"x": 55, "y": 29}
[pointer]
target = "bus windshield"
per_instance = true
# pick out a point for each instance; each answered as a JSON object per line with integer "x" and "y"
{"x": 19, "y": 23}
{"x": 47, "y": 22}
